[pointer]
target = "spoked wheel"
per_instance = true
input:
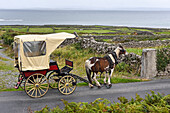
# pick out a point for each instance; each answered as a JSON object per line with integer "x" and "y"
{"x": 67, "y": 85}
{"x": 36, "y": 85}
{"x": 53, "y": 79}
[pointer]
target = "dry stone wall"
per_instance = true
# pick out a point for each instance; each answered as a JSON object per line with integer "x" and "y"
{"x": 146, "y": 43}
{"x": 166, "y": 72}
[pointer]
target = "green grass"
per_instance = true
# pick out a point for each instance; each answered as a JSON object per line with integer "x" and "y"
{"x": 143, "y": 30}
{"x": 114, "y": 80}
{"x": 5, "y": 67}
{"x": 17, "y": 29}
{"x": 85, "y": 31}
{"x": 41, "y": 30}
{"x": 104, "y": 40}
{"x": 11, "y": 89}
{"x": 167, "y": 33}
{"x": 138, "y": 51}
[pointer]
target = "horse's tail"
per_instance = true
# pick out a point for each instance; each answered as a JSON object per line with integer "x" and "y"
{"x": 88, "y": 71}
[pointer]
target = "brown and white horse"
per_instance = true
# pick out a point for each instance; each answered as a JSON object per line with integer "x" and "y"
{"x": 105, "y": 64}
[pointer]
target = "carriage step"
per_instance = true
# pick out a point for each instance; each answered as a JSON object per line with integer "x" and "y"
{"x": 16, "y": 87}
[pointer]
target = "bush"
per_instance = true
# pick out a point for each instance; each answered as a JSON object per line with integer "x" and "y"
{"x": 123, "y": 67}
{"x": 8, "y": 37}
{"x": 154, "y": 103}
{"x": 163, "y": 58}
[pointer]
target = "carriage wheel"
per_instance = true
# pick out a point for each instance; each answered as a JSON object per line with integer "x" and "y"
{"x": 67, "y": 85}
{"x": 53, "y": 79}
{"x": 36, "y": 85}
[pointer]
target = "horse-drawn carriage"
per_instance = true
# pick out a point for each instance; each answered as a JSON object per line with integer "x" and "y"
{"x": 36, "y": 71}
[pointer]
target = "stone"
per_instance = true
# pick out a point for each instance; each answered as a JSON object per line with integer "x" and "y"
{"x": 148, "y": 69}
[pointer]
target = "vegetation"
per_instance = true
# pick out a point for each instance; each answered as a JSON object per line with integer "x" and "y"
{"x": 163, "y": 59}
{"x": 40, "y": 30}
{"x": 152, "y": 103}
{"x": 138, "y": 51}
{"x": 77, "y": 54}
{"x": 8, "y": 37}
{"x": 5, "y": 67}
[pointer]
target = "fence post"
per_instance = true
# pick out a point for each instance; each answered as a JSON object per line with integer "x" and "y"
{"x": 148, "y": 69}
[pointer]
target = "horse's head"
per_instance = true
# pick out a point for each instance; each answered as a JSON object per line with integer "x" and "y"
{"x": 120, "y": 50}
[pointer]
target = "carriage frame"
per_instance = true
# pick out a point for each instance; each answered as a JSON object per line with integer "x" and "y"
{"x": 36, "y": 72}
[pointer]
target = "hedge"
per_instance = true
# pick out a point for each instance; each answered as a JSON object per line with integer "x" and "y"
{"x": 152, "y": 103}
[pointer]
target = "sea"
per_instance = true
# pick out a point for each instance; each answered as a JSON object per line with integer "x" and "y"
{"x": 151, "y": 19}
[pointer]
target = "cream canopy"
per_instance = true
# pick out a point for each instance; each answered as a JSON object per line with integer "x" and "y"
{"x": 40, "y": 62}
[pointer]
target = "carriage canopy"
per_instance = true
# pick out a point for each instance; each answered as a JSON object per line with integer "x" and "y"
{"x": 32, "y": 51}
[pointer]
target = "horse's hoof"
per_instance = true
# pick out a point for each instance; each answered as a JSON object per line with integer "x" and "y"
{"x": 91, "y": 86}
{"x": 109, "y": 86}
{"x": 105, "y": 84}
{"x": 99, "y": 87}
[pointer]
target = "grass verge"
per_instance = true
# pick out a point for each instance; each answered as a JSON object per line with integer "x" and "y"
{"x": 5, "y": 67}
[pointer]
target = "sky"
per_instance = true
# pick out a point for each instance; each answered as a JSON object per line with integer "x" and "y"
{"x": 85, "y": 4}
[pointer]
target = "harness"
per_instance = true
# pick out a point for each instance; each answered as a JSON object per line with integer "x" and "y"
{"x": 112, "y": 59}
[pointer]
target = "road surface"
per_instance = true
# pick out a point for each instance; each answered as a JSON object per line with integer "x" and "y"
{"x": 18, "y": 101}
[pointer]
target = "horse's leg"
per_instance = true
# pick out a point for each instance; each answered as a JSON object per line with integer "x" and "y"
{"x": 109, "y": 77}
{"x": 90, "y": 84}
{"x": 105, "y": 78}
{"x": 97, "y": 83}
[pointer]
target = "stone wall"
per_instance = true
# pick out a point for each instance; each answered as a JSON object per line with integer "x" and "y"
{"x": 103, "y": 47}
{"x": 99, "y": 47}
{"x": 135, "y": 44}
{"x": 146, "y": 43}
{"x": 166, "y": 72}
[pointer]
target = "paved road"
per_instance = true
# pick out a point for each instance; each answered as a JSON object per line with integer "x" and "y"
{"x": 18, "y": 101}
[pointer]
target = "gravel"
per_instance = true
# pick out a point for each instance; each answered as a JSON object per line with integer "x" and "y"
{"x": 7, "y": 78}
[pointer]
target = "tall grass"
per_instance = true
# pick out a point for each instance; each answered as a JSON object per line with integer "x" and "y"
{"x": 76, "y": 54}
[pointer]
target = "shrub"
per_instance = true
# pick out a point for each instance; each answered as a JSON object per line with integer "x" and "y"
{"x": 8, "y": 37}
{"x": 163, "y": 58}
{"x": 154, "y": 103}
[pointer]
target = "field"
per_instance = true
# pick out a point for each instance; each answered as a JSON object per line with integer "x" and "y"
{"x": 79, "y": 55}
